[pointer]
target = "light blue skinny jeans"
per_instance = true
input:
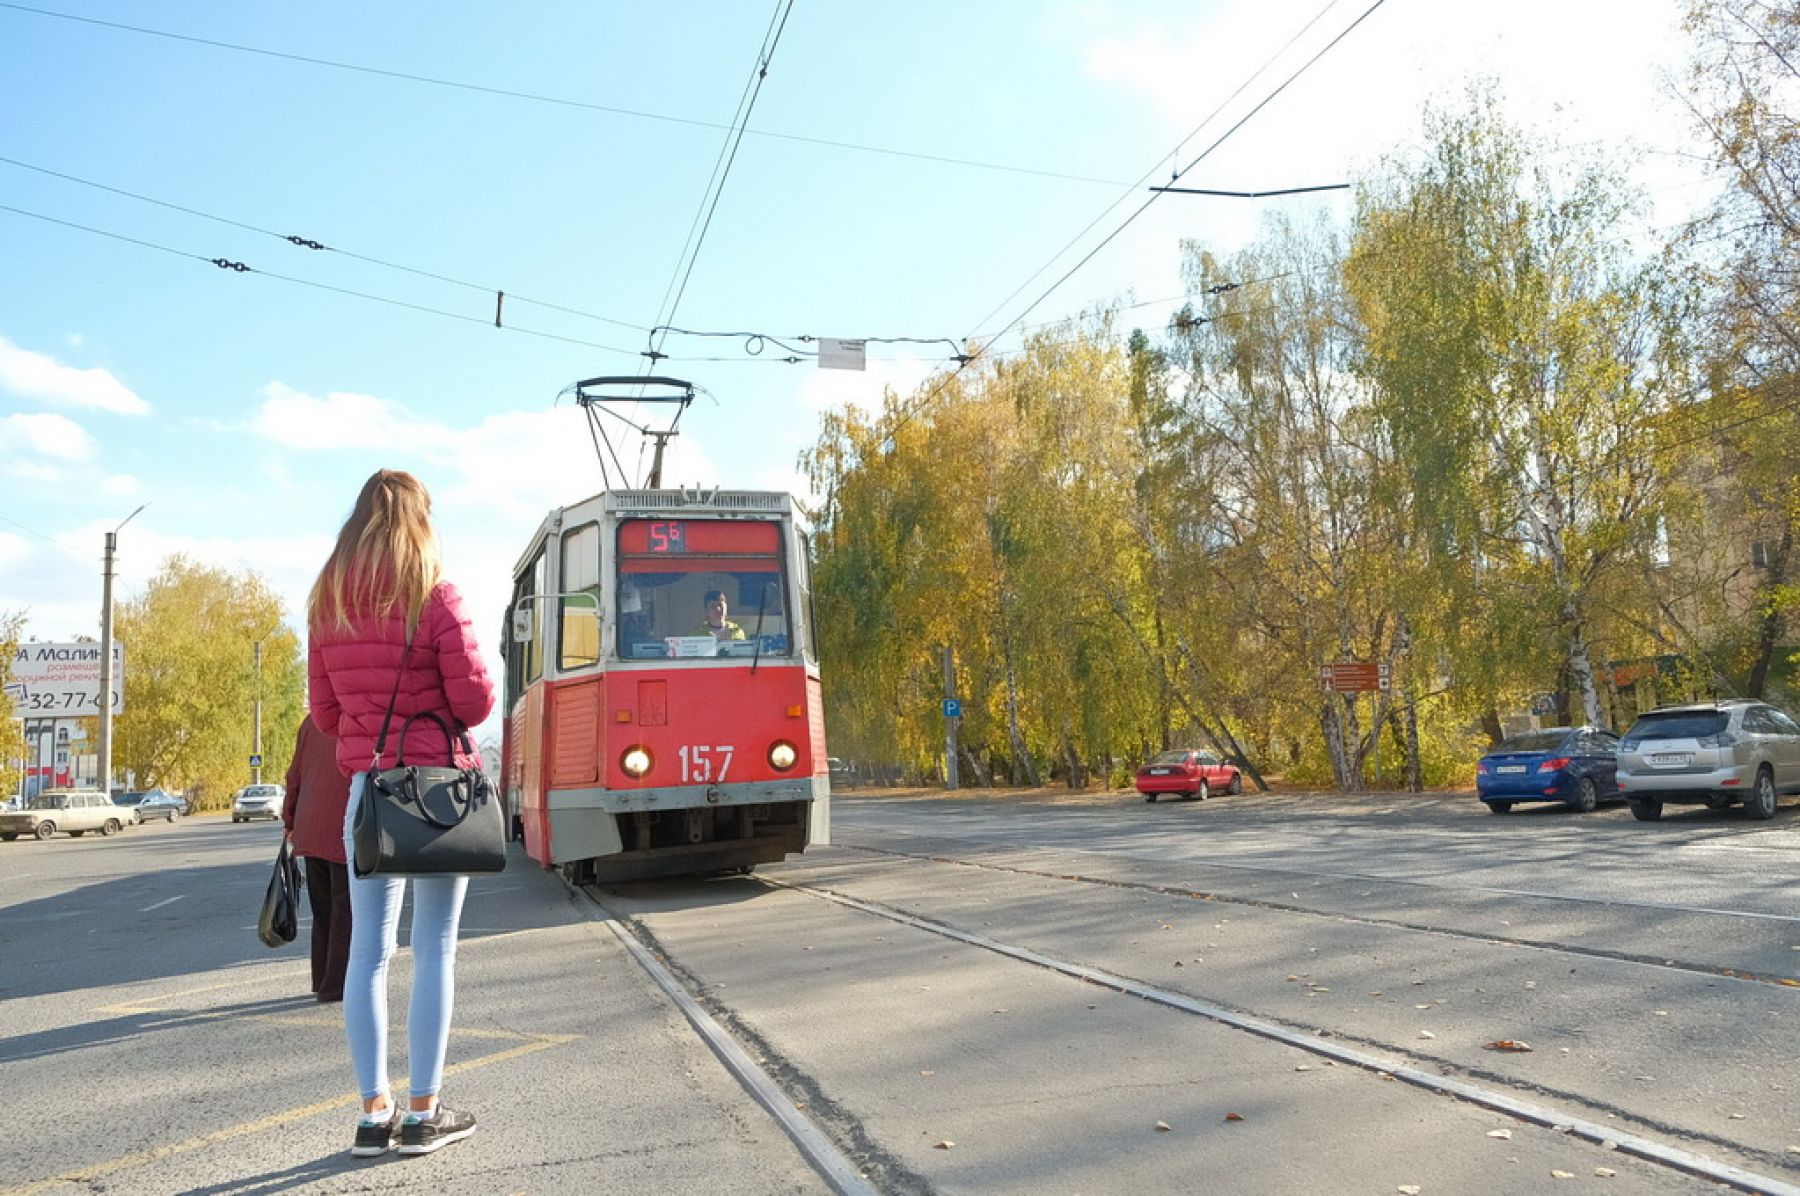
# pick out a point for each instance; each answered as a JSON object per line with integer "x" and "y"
{"x": 374, "y": 936}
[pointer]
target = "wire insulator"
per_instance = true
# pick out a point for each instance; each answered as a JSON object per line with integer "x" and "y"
{"x": 228, "y": 264}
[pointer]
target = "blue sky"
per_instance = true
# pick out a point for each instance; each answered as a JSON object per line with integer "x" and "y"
{"x": 246, "y": 410}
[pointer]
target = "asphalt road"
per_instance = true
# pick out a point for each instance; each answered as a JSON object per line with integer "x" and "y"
{"x": 1251, "y": 994}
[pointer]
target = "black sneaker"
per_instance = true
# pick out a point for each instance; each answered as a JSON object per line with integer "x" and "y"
{"x": 444, "y": 1126}
{"x": 374, "y": 1138}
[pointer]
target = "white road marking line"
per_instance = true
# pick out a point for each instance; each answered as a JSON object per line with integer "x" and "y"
{"x": 169, "y": 901}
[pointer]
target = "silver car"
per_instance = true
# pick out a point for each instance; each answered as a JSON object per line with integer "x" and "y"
{"x": 1717, "y": 754}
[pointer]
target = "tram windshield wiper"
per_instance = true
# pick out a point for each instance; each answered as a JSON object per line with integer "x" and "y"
{"x": 762, "y": 601}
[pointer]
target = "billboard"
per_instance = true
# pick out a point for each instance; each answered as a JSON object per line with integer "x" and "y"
{"x": 62, "y": 680}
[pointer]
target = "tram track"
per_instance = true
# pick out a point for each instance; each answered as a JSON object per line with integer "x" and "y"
{"x": 796, "y": 1099}
{"x": 1658, "y": 962}
{"x": 792, "y": 1099}
{"x": 1329, "y": 1044}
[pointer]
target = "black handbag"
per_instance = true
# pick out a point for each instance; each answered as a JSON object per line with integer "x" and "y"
{"x": 418, "y": 820}
{"x": 280, "y": 920}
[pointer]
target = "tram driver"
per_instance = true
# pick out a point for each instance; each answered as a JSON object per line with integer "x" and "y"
{"x": 716, "y": 624}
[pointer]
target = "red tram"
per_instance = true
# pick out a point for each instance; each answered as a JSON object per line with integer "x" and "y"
{"x": 662, "y": 687}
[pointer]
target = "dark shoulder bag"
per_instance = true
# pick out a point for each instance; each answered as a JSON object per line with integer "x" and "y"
{"x": 417, "y": 820}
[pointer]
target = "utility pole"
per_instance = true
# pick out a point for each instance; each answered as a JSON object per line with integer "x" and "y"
{"x": 950, "y": 720}
{"x": 106, "y": 655}
{"x": 256, "y": 720}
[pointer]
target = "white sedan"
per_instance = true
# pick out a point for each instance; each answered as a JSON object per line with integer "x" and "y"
{"x": 257, "y": 801}
{"x": 76, "y": 811}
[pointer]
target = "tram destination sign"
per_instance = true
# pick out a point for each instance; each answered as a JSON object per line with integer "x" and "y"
{"x": 63, "y": 680}
{"x": 1354, "y": 677}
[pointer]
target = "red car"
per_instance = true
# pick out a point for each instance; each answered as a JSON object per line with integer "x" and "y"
{"x": 1187, "y": 774}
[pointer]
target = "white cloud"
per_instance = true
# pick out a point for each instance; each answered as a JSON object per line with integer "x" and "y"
{"x": 340, "y": 420}
{"x": 13, "y": 550}
{"x": 32, "y": 471}
{"x": 45, "y": 435}
{"x": 512, "y": 464}
{"x": 825, "y": 390}
{"x": 34, "y": 375}
{"x": 60, "y": 590}
{"x": 1364, "y": 97}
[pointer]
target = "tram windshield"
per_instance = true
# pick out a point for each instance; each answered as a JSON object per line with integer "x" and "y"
{"x": 701, "y": 587}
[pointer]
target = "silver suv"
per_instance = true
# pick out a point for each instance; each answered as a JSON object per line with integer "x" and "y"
{"x": 1713, "y": 753}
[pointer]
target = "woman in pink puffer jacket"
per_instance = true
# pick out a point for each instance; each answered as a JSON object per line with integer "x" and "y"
{"x": 381, "y": 614}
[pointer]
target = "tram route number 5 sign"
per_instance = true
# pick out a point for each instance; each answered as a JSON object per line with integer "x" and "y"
{"x": 1352, "y": 677}
{"x": 63, "y": 680}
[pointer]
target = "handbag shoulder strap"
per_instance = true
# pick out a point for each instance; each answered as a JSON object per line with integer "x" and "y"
{"x": 381, "y": 740}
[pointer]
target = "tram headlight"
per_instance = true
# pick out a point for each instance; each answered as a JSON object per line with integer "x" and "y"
{"x": 782, "y": 755}
{"x": 636, "y": 761}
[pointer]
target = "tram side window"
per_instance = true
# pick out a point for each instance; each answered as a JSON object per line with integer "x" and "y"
{"x": 533, "y": 585}
{"x": 809, "y": 617}
{"x": 517, "y": 649}
{"x": 669, "y": 568}
{"x": 578, "y": 617}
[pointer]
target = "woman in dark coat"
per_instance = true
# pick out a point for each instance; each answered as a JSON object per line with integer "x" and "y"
{"x": 314, "y": 815}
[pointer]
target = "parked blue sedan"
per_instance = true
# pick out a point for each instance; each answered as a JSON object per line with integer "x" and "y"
{"x": 1573, "y": 765}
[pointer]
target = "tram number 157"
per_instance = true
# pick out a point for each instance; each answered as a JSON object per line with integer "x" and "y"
{"x": 698, "y": 764}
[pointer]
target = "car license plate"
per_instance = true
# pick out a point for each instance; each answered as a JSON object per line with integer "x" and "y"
{"x": 1670, "y": 759}
{"x": 1510, "y": 768}
{"x": 1161, "y": 772}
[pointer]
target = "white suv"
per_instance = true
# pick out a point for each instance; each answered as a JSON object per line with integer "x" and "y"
{"x": 1714, "y": 753}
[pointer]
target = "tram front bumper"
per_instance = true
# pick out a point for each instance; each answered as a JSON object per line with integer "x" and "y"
{"x": 585, "y": 824}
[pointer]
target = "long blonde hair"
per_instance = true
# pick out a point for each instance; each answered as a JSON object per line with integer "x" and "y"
{"x": 386, "y": 556}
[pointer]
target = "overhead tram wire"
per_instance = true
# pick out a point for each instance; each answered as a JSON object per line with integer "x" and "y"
{"x": 238, "y": 267}
{"x": 1174, "y": 175}
{"x": 915, "y": 408}
{"x": 715, "y": 187}
{"x": 47, "y": 538}
{"x": 313, "y": 245}
{"x": 703, "y": 217}
{"x": 558, "y": 101}
{"x": 1201, "y": 157}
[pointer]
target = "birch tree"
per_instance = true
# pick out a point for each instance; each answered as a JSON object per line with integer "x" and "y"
{"x": 1282, "y": 544}
{"x": 1521, "y": 360}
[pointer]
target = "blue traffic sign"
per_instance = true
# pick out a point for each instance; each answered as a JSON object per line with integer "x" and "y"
{"x": 952, "y": 707}
{"x": 256, "y": 762}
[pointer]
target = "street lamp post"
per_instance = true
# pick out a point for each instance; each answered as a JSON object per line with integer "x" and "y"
{"x": 106, "y": 654}
{"x": 256, "y": 721}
